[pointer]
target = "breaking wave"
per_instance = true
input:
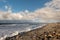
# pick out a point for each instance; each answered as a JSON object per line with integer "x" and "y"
{"x": 9, "y": 30}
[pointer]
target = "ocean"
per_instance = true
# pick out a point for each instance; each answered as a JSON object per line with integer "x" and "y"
{"x": 8, "y": 30}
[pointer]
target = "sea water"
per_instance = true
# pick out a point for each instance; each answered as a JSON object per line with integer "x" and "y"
{"x": 8, "y": 30}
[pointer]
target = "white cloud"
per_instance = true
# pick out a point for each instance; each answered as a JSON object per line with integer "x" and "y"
{"x": 8, "y": 8}
{"x": 49, "y": 13}
{"x": 3, "y": 1}
{"x": 10, "y": 16}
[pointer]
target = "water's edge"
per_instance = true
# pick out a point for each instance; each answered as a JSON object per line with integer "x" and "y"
{"x": 14, "y": 29}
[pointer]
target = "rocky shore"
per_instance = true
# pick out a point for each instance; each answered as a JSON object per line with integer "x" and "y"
{"x": 50, "y": 31}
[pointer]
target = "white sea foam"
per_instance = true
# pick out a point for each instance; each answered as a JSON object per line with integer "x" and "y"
{"x": 14, "y": 29}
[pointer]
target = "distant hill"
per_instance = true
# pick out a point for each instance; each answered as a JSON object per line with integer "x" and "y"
{"x": 52, "y": 29}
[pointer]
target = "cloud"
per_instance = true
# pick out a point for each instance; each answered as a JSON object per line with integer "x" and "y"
{"x": 10, "y": 16}
{"x": 8, "y": 8}
{"x": 53, "y": 4}
{"x": 3, "y": 1}
{"x": 49, "y": 13}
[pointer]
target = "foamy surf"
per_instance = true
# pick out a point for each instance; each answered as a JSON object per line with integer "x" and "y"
{"x": 14, "y": 29}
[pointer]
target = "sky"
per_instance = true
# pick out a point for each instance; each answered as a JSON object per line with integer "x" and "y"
{"x": 35, "y": 10}
{"x": 21, "y": 5}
